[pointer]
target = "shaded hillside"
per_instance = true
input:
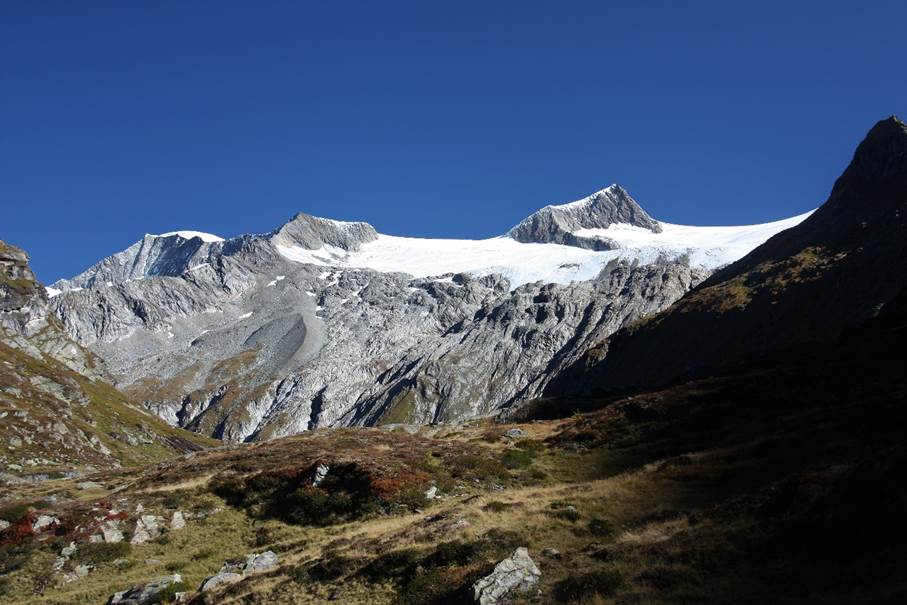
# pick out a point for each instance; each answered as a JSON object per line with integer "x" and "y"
{"x": 57, "y": 413}
{"x": 840, "y": 266}
{"x": 777, "y": 483}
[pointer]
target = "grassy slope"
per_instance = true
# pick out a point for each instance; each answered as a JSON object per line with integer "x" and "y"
{"x": 106, "y": 413}
{"x": 775, "y": 484}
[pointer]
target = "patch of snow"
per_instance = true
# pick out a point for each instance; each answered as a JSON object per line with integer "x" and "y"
{"x": 274, "y": 281}
{"x": 109, "y": 284}
{"x": 198, "y": 267}
{"x": 310, "y": 293}
{"x": 245, "y": 315}
{"x": 520, "y": 263}
{"x": 205, "y": 237}
{"x": 707, "y": 246}
{"x": 51, "y": 292}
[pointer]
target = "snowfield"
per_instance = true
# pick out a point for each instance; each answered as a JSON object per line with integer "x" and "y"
{"x": 521, "y": 263}
{"x": 205, "y": 237}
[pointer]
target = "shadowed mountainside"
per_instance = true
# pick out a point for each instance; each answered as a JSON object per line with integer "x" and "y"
{"x": 840, "y": 266}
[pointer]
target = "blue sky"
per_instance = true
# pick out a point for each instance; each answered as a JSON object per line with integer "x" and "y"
{"x": 423, "y": 118}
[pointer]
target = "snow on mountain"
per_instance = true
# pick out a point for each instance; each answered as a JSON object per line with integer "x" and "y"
{"x": 708, "y": 247}
{"x": 559, "y": 244}
{"x": 521, "y": 263}
{"x": 205, "y": 237}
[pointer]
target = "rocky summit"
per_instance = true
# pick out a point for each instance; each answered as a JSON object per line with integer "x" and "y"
{"x": 329, "y": 323}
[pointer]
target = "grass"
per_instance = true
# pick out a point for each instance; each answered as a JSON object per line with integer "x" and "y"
{"x": 683, "y": 500}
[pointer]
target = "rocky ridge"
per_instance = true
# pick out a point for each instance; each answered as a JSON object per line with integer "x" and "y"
{"x": 242, "y": 340}
{"x": 807, "y": 284}
{"x": 56, "y": 410}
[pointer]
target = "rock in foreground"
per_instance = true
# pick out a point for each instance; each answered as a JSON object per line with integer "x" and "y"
{"x": 516, "y": 574}
{"x": 145, "y": 594}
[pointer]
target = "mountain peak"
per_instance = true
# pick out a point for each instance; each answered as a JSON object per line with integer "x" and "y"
{"x": 313, "y": 232}
{"x": 557, "y": 223}
{"x": 882, "y": 153}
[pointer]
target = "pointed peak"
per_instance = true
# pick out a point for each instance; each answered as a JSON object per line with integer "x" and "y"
{"x": 611, "y": 191}
{"x": 313, "y": 232}
{"x": 557, "y": 223}
{"x": 882, "y": 153}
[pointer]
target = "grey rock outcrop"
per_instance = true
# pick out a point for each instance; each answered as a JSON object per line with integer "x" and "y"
{"x": 178, "y": 520}
{"x": 234, "y": 571}
{"x": 146, "y": 528}
{"x": 260, "y": 562}
{"x": 515, "y": 575}
{"x": 221, "y": 578}
{"x": 146, "y": 593}
{"x": 152, "y": 255}
{"x": 312, "y": 233}
{"x": 556, "y": 224}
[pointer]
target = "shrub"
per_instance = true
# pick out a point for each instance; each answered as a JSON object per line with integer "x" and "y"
{"x": 600, "y": 527}
{"x": 325, "y": 569}
{"x": 564, "y": 510}
{"x": 474, "y": 466}
{"x": 14, "y": 512}
{"x": 586, "y": 586}
{"x": 496, "y": 506}
{"x": 96, "y": 553}
{"x": 517, "y": 458}
{"x": 168, "y": 594}
{"x": 398, "y": 564}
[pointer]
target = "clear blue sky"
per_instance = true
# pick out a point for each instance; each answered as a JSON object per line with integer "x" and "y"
{"x": 424, "y": 118}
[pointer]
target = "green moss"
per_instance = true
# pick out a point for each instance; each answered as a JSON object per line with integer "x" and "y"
{"x": 401, "y": 410}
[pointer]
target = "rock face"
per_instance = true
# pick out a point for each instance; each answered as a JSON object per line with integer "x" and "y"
{"x": 170, "y": 254}
{"x": 146, "y": 528}
{"x": 146, "y": 593}
{"x": 512, "y": 576}
{"x": 806, "y": 284}
{"x": 53, "y": 391}
{"x": 18, "y": 287}
{"x": 268, "y": 335}
{"x": 556, "y": 224}
{"x": 234, "y": 571}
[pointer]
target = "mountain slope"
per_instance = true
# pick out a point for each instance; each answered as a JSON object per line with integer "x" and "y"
{"x": 58, "y": 414}
{"x": 838, "y": 267}
{"x": 323, "y": 322}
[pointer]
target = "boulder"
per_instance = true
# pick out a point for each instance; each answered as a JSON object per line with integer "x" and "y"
{"x": 178, "y": 521}
{"x": 111, "y": 531}
{"x": 260, "y": 562}
{"x": 321, "y": 471}
{"x": 44, "y": 522}
{"x": 146, "y": 528}
{"x": 219, "y": 579}
{"x": 514, "y": 575}
{"x": 235, "y": 570}
{"x": 146, "y": 593}
{"x": 515, "y": 433}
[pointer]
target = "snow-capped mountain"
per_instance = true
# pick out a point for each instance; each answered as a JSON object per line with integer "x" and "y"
{"x": 581, "y": 238}
{"x": 325, "y": 322}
